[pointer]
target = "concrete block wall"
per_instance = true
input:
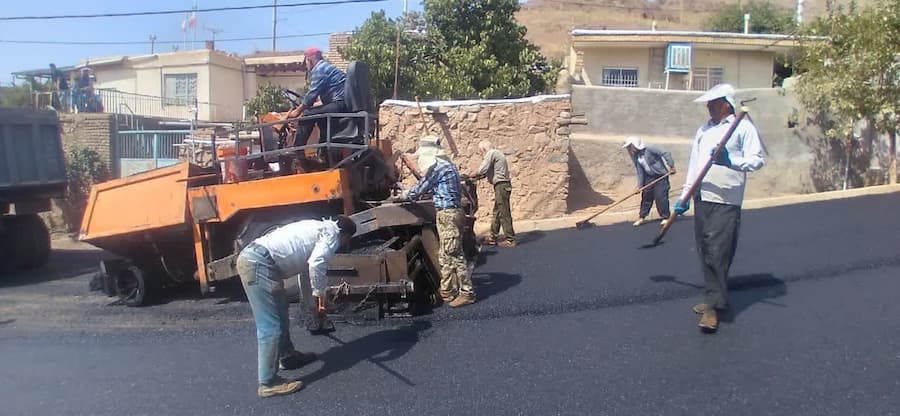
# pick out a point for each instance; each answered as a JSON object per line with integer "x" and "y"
{"x": 533, "y": 135}
{"x": 91, "y": 131}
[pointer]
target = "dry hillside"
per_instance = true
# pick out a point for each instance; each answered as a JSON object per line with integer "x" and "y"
{"x": 549, "y": 21}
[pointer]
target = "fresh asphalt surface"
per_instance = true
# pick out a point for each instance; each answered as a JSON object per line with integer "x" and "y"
{"x": 570, "y": 322}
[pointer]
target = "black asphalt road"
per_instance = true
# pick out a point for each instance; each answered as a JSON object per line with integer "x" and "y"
{"x": 570, "y": 322}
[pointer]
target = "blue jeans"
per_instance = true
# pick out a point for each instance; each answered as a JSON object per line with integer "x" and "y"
{"x": 265, "y": 290}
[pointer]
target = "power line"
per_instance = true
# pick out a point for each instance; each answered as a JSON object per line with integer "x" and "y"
{"x": 159, "y": 42}
{"x": 182, "y": 11}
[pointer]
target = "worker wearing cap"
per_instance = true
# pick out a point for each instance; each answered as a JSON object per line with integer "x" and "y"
{"x": 297, "y": 248}
{"x": 651, "y": 163}
{"x": 717, "y": 213}
{"x": 441, "y": 179}
{"x": 495, "y": 168}
{"x": 326, "y": 83}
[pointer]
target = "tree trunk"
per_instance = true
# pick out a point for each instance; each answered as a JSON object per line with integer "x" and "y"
{"x": 892, "y": 171}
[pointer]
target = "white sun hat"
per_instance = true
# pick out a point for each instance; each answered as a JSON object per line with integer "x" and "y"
{"x": 633, "y": 141}
{"x": 428, "y": 152}
{"x": 725, "y": 91}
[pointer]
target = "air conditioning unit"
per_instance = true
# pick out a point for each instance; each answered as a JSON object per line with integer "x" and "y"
{"x": 678, "y": 58}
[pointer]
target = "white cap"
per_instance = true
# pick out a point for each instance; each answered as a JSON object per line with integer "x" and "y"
{"x": 633, "y": 141}
{"x": 725, "y": 91}
{"x": 428, "y": 152}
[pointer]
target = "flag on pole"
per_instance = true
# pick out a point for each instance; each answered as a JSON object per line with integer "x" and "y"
{"x": 192, "y": 21}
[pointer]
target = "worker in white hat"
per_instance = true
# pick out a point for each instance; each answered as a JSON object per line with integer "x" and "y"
{"x": 440, "y": 178}
{"x": 717, "y": 211}
{"x": 651, "y": 163}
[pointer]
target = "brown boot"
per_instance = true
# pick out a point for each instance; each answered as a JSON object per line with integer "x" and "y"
{"x": 699, "y": 308}
{"x": 447, "y": 297}
{"x": 507, "y": 243}
{"x": 489, "y": 241}
{"x": 278, "y": 387}
{"x": 462, "y": 300}
{"x": 709, "y": 322}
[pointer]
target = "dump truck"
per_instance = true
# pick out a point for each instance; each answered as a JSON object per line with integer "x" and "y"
{"x": 32, "y": 172}
{"x": 186, "y": 223}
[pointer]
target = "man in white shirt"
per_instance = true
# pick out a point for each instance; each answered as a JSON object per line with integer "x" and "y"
{"x": 717, "y": 215}
{"x": 298, "y": 248}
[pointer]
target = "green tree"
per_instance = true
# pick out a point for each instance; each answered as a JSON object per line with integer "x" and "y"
{"x": 765, "y": 17}
{"x": 458, "y": 49}
{"x": 15, "y": 97}
{"x": 853, "y": 73}
{"x": 269, "y": 97}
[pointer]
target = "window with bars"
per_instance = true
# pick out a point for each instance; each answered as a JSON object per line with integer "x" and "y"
{"x": 179, "y": 89}
{"x": 620, "y": 77}
{"x": 704, "y": 78}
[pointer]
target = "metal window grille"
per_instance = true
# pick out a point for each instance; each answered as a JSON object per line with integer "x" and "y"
{"x": 620, "y": 77}
{"x": 180, "y": 89}
{"x": 703, "y": 79}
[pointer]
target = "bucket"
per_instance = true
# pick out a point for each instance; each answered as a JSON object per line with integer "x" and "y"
{"x": 232, "y": 170}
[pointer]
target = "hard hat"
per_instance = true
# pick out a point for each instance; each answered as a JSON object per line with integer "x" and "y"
{"x": 725, "y": 91}
{"x": 633, "y": 141}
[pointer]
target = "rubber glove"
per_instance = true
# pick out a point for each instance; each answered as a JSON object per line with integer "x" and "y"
{"x": 682, "y": 207}
{"x": 723, "y": 159}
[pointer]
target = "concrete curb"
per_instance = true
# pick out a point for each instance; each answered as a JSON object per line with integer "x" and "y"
{"x": 524, "y": 226}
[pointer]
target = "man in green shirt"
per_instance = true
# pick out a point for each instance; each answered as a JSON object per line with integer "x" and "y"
{"x": 496, "y": 170}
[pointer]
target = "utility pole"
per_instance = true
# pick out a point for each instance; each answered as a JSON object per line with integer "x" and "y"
{"x": 214, "y": 32}
{"x": 400, "y": 28}
{"x": 274, "y": 22}
{"x": 152, "y": 44}
{"x": 799, "y": 12}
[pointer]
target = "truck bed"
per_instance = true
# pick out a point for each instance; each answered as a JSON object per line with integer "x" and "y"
{"x": 32, "y": 163}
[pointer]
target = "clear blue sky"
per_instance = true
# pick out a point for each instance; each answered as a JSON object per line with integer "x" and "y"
{"x": 234, "y": 24}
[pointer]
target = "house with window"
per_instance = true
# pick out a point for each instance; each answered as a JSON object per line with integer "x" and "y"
{"x": 675, "y": 59}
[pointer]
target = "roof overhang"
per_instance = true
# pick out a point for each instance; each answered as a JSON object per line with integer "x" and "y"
{"x": 284, "y": 63}
{"x": 584, "y": 39}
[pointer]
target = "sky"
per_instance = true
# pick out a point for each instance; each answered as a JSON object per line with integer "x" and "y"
{"x": 233, "y": 24}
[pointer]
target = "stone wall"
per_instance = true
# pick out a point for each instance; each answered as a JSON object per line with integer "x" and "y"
{"x": 533, "y": 133}
{"x": 89, "y": 130}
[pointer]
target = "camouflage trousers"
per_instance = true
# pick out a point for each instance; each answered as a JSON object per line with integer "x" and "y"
{"x": 454, "y": 271}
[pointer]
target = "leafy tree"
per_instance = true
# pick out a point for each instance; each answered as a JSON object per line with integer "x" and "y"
{"x": 765, "y": 17}
{"x": 269, "y": 97}
{"x": 853, "y": 73}
{"x": 15, "y": 97}
{"x": 458, "y": 49}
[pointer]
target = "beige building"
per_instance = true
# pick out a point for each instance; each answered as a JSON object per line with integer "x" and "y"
{"x": 674, "y": 60}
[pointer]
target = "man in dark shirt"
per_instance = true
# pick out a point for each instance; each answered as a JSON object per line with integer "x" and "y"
{"x": 326, "y": 83}
{"x": 60, "y": 86}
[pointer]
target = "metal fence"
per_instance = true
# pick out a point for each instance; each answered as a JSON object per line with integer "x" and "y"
{"x": 118, "y": 102}
{"x": 142, "y": 150}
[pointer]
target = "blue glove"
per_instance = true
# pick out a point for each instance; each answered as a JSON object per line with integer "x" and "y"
{"x": 682, "y": 207}
{"x": 723, "y": 159}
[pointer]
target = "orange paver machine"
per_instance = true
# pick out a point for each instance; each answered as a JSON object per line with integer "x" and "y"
{"x": 184, "y": 223}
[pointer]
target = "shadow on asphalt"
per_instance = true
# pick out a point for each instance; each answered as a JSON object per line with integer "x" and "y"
{"x": 743, "y": 291}
{"x": 490, "y": 284}
{"x": 7, "y": 322}
{"x": 63, "y": 264}
{"x": 377, "y": 348}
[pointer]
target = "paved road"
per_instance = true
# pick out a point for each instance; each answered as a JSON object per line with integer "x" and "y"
{"x": 570, "y": 322}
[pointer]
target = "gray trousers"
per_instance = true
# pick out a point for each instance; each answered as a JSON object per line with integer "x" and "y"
{"x": 716, "y": 231}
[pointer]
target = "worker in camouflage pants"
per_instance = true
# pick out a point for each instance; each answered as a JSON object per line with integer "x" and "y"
{"x": 441, "y": 179}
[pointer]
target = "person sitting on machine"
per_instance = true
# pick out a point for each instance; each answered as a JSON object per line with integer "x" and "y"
{"x": 326, "y": 83}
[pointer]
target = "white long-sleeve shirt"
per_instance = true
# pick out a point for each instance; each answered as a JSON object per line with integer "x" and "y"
{"x": 304, "y": 247}
{"x": 724, "y": 185}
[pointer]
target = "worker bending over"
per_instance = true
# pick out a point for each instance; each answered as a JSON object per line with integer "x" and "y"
{"x": 326, "y": 83}
{"x": 651, "y": 163}
{"x": 294, "y": 249}
{"x": 441, "y": 179}
{"x": 496, "y": 169}
{"x": 717, "y": 214}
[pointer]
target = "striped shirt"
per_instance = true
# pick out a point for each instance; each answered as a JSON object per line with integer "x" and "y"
{"x": 326, "y": 82}
{"x": 442, "y": 181}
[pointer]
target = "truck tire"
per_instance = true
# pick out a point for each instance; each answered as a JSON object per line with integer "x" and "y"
{"x": 137, "y": 287}
{"x": 27, "y": 241}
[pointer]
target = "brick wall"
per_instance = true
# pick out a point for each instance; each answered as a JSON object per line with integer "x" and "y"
{"x": 92, "y": 131}
{"x": 533, "y": 135}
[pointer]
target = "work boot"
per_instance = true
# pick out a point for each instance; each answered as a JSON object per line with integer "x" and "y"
{"x": 489, "y": 241}
{"x": 295, "y": 360}
{"x": 447, "y": 296}
{"x": 319, "y": 324}
{"x": 507, "y": 243}
{"x": 462, "y": 300}
{"x": 639, "y": 222}
{"x": 279, "y": 386}
{"x": 699, "y": 308}
{"x": 709, "y": 322}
